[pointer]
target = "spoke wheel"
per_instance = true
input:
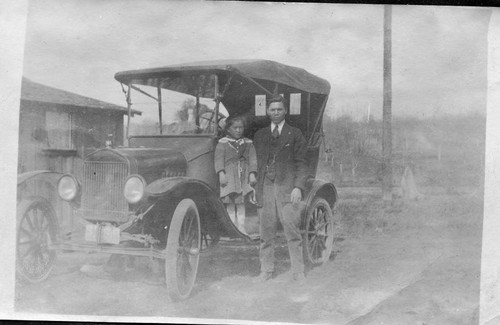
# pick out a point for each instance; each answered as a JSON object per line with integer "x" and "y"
{"x": 318, "y": 232}
{"x": 183, "y": 250}
{"x": 36, "y": 230}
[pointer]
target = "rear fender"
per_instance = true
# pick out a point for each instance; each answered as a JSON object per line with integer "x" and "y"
{"x": 167, "y": 192}
{"x": 320, "y": 188}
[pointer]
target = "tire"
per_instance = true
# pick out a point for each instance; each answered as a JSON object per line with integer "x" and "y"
{"x": 37, "y": 228}
{"x": 183, "y": 250}
{"x": 319, "y": 228}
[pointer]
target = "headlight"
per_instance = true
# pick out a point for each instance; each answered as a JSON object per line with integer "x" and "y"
{"x": 134, "y": 189}
{"x": 67, "y": 187}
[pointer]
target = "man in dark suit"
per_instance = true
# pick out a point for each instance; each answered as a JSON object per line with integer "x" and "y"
{"x": 282, "y": 172}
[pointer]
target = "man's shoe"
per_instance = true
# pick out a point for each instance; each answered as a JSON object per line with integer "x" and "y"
{"x": 299, "y": 277}
{"x": 263, "y": 277}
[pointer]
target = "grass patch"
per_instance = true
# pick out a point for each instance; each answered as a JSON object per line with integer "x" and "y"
{"x": 361, "y": 211}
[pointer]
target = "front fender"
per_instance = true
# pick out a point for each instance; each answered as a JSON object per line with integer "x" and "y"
{"x": 163, "y": 186}
{"x": 43, "y": 175}
{"x": 38, "y": 182}
{"x": 213, "y": 214}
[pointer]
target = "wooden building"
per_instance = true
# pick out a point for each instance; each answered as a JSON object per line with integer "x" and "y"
{"x": 56, "y": 130}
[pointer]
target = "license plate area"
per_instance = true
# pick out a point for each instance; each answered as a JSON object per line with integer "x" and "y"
{"x": 102, "y": 233}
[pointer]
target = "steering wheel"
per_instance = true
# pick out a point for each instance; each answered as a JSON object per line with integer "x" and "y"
{"x": 208, "y": 123}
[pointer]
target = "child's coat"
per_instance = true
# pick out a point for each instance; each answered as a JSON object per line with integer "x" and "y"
{"x": 238, "y": 159}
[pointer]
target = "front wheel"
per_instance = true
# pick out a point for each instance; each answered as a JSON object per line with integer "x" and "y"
{"x": 318, "y": 232}
{"x": 36, "y": 229}
{"x": 183, "y": 250}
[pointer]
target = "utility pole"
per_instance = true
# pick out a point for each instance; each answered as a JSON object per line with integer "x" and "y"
{"x": 387, "y": 109}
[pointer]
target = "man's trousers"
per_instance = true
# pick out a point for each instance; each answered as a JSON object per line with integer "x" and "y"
{"x": 288, "y": 214}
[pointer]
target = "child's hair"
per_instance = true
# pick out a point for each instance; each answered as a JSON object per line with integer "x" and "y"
{"x": 231, "y": 119}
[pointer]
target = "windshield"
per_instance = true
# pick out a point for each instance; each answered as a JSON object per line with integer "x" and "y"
{"x": 181, "y": 114}
{"x": 206, "y": 123}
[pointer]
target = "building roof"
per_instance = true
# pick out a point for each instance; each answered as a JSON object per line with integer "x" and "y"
{"x": 33, "y": 91}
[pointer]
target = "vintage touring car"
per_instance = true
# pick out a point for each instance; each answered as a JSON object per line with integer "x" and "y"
{"x": 158, "y": 196}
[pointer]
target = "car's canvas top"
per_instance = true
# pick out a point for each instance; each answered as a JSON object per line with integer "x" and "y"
{"x": 256, "y": 69}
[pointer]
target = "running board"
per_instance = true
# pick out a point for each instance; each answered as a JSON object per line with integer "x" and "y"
{"x": 109, "y": 249}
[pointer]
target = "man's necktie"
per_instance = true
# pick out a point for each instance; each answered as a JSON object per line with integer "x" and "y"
{"x": 276, "y": 133}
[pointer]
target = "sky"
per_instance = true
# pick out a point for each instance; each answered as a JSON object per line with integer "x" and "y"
{"x": 439, "y": 57}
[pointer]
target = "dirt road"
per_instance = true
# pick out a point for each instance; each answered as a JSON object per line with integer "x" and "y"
{"x": 418, "y": 263}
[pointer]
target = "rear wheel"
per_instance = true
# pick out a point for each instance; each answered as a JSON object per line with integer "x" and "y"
{"x": 183, "y": 250}
{"x": 36, "y": 230}
{"x": 318, "y": 232}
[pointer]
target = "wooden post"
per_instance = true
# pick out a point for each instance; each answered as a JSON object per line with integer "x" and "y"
{"x": 387, "y": 109}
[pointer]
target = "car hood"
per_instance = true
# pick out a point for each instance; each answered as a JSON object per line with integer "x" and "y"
{"x": 150, "y": 163}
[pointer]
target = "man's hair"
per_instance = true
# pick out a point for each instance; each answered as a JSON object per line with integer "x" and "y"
{"x": 276, "y": 99}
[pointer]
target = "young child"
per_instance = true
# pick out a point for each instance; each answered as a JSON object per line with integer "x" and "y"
{"x": 236, "y": 165}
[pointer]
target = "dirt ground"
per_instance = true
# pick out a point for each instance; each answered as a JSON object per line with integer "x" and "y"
{"x": 413, "y": 263}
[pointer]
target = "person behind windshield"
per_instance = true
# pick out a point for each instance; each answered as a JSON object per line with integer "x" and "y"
{"x": 236, "y": 165}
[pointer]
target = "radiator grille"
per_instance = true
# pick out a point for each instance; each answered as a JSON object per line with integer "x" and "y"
{"x": 102, "y": 196}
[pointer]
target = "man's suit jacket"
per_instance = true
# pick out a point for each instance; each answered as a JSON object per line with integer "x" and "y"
{"x": 291, "y": 167}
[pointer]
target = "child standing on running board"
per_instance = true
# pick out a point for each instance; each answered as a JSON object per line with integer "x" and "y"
{"x": 236, "y": 165}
